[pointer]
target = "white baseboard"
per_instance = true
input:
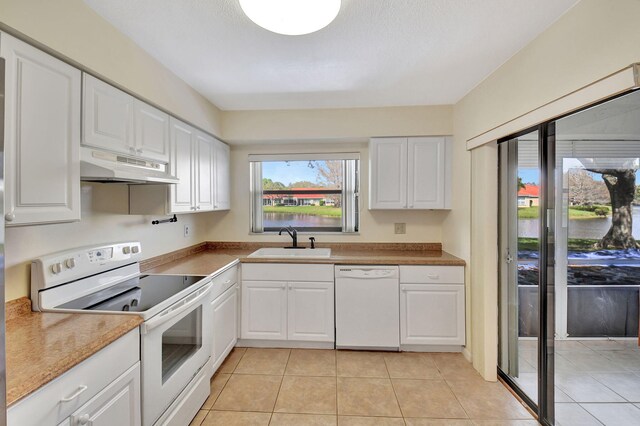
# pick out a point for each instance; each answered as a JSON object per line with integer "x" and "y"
{"x": 431, "y": 348}
{"x": 291, "y": 344}
{"x": 467, "y": 354}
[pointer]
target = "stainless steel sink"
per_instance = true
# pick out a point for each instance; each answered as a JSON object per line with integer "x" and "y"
{"x": 278, "y": 252}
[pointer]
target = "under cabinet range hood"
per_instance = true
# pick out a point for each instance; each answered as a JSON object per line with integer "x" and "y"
{"x": 97, "y": 165}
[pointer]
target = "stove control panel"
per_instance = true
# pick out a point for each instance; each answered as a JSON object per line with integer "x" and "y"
{"x": 101, "y": 255}
{"x": 71, "y": 265}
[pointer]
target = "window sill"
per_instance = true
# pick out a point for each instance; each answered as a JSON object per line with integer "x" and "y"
{"x": 309, "y": 233}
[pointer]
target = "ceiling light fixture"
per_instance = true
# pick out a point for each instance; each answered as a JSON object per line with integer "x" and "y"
{"x": 291, "y": 17}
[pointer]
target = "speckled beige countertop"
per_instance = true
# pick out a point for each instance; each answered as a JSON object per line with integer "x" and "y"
{"x": 42, "y": 346}
{"x": 207, "y": 258}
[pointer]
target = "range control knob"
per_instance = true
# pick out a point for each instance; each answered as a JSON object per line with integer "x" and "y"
{"x": 56, "y": 268}
{"x": 70, "y": 263}
{"x": 126, "y": 249}
{"x": 135, "y": 249}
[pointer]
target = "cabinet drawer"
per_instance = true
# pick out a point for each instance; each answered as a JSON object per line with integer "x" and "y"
{"x": 287, "y": 272}
{"x": 432, "y": 274}
{"x": 84, "y": 381}
{"x": 223, "y": 281}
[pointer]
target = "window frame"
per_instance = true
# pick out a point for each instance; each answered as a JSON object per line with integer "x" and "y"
{"x": 350, "y": 192}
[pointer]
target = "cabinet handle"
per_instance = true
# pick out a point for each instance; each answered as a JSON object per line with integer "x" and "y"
{"x": 403, "y": 288}
{"x": 83, "y": 419}
{"x": 433, "y": 276}
{"x": 283, "y": 286}
{"x": 9, "y": 217}
{"x": 198, "y": 208}
{"x": 290, "y": 286}
{"x": 75, "y": 394}
{"x": 139, "y": 150}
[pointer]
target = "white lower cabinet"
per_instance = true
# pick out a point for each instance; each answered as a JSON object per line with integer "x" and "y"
{"x": 225, "y": 324}
{"x": 264, "y": 310}
{"x": 102, "y": 390}
{"x": 432, "y": 305}
{"x": 288, "y": 302}
{"x": 118, "y": 404}
{"x": 310, "y": 311}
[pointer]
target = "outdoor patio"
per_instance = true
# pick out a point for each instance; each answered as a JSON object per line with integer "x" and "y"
{"x": 597, "y": 380}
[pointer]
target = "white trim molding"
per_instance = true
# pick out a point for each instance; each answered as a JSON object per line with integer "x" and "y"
{"x": 619, "y": 82}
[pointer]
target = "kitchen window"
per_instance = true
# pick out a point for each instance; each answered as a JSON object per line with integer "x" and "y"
{"x": 310, "y": 192}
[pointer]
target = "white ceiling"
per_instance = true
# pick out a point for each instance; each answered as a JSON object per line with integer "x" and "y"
{"x": 376, "y": 52}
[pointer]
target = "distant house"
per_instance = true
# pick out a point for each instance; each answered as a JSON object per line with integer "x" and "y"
{"x": 529, "y": 195}
{"x": 304, "y": 197}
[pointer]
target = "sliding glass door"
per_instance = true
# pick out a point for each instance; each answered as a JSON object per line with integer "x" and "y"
{"x": 520, "y": 261}
{"x": 570, "y": 265}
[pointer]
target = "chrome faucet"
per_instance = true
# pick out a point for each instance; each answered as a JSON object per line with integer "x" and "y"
{"x": 293, "y": 234}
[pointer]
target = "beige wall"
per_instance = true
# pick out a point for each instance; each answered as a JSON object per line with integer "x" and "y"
{"x": 422, "y": 226}
{"x": 74, "y": 30}
{"x": 357, "y": 124}
{"x": 104, "y": 220}
{"x": 592, "y": 40}
{"x": 337, "y": 130}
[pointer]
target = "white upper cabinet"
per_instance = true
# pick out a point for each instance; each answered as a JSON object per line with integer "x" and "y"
{"x": 222, "y": 178}
{"x": 388, "y": 173}
{"x": 42, "y": 136}
{"x": 181, "y": 195}
{"x": 108, "y": 117}
{"x": 426, "y": 173}
{"x": 409, "y": 173}
{"x": 152, "y": 132}
{"x": 116, "y": 121}
{"x": 201, "y": 163}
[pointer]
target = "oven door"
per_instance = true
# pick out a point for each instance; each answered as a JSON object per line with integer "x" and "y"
{"x": 176, "y": 343}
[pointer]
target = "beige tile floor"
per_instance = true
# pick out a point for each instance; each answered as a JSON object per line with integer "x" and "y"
{"x": 597, "y": 381}
{"x": 301, "y": 387}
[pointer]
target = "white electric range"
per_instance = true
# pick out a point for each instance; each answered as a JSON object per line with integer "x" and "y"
{"x": 176, "y": 334}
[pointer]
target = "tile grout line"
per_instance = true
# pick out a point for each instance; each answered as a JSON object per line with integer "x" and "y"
{"x": 384, "y": 359}
{"x": 280, "y": 387}
{"x": 335, "y": 351}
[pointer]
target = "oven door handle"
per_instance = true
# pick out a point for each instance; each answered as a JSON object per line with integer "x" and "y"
{"x": 171, "y": 313}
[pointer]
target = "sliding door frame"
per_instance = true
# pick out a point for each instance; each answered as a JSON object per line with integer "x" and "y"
{"x": 545, "y": 409}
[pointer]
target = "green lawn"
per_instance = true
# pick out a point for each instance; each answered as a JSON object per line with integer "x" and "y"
{"x": 310, "y": 210}
{"x": 574, "y": 244}
{"x": 532, "y": 213}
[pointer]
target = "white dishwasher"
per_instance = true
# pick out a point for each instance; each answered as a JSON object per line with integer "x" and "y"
{"x": 367, "y": 307}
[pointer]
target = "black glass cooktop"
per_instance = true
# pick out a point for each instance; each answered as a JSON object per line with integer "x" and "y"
{"x": 137, "y": 294}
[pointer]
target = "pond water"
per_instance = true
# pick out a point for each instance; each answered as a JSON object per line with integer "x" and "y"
{"x": 281, "y": 220}
{"x": 580, "y": 228}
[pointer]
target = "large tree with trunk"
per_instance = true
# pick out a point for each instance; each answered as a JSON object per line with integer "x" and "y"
{"x": 621, "y": 185}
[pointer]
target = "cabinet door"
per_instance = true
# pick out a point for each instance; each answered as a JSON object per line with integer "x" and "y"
{"x": 225, "y": 323}
{"x": 117, "y": 404}
{"x": 182, "y": 193}
{"x": 222, "y": 179}
{"x": 432, "y": 314}
{"x": 310, "y": 311}
{"x": 388, "y": 173}
{"x": 107, "y": 118}
{"x": 152, "y": 132}
{"x": 426, "y": 171}
{"x": 42, "y": 136}
{"x": 203, "y": 163}
{"x": 264, "y": 310}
